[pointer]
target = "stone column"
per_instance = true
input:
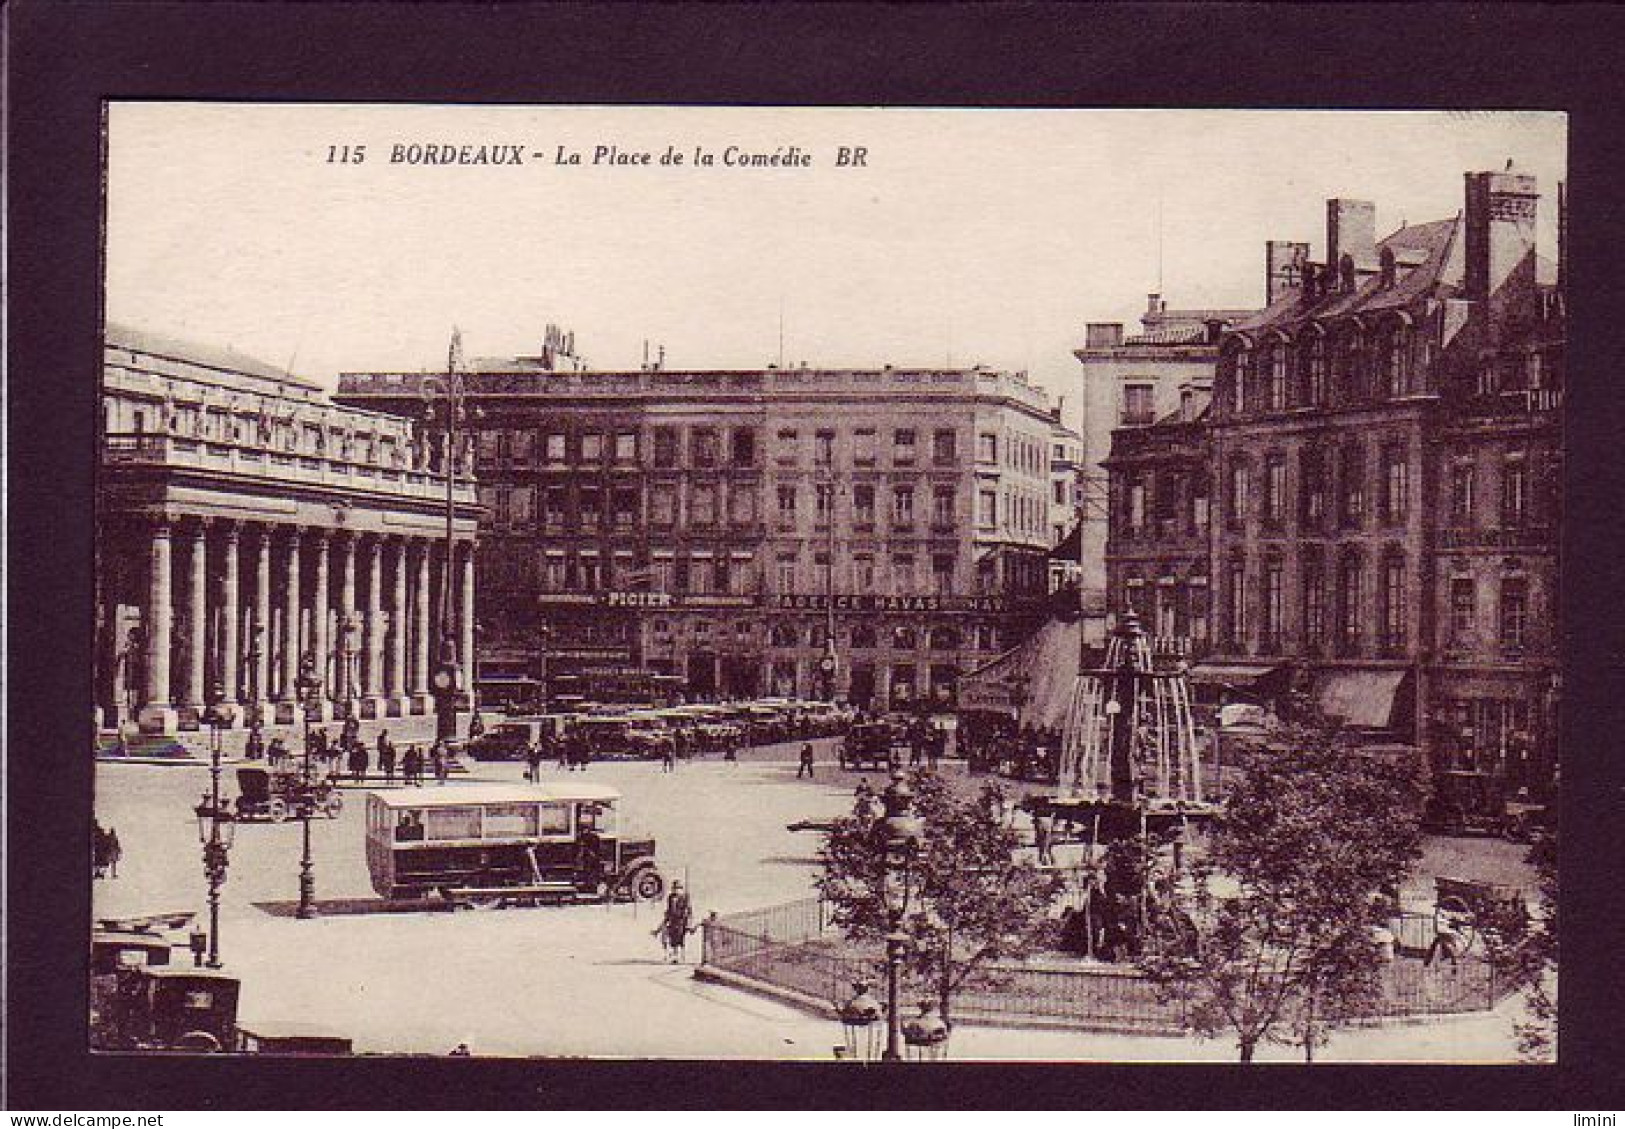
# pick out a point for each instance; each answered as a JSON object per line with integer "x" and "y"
{"x": 320, "y": 647}
{"x": 158, "y": 711}
{"x": 465, "y": 647}
{"x": 290, "y": 630}
{"x": 260, "y": 637}
{"x": 345, "y": 687}
{"x": 372, "y": 682}
{"x": 420, "y": 663}
{"x": 231, "y": 609}
{"x": 397, "y": 630}
{"x": 197, "y": 618}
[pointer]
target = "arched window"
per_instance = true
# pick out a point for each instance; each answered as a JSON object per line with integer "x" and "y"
{"x": 1274, "y": 375}
{"x": 1394, "y": 359}
{"x": 1350, "y": 365}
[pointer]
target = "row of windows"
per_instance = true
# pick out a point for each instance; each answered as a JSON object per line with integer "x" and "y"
{"x": 1345, "y": 365}
{"x": 901, "y": 637}
{"x": 944, "y": 503}
{"x": 789, "y": 447}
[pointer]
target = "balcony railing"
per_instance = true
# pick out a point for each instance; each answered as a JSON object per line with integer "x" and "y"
{"x": 260, "y": 462}
{"x": 1506, "y": 537}
{"x": 1514, "y": 402}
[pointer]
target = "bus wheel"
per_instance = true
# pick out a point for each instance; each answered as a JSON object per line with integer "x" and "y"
{"x": 647, "y": 885}
{"x": 277, "y": 809}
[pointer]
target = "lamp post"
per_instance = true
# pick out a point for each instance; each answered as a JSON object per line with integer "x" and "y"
{"x": 445, "y": 410}
{"x": 310, "y": 688}
{"x": 860, "y": 1018}
{"x": 215, "y": 826}
{"x": 900, "y": 836}
{"x": 926, "y": 1034}
{"x": 827, "y": 664}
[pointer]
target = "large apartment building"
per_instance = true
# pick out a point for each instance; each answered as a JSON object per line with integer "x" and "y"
{"x": 713, "y": 527}
{"x": 1384, "y": 450}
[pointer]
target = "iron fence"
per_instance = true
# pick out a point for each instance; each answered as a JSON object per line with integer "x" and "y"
{"x": 793, "y": 947}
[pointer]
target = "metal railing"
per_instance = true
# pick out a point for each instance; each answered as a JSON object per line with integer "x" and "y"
{"x": 793, "y": 947}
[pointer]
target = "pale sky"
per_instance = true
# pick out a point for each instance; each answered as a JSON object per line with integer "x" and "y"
{"x": 970, "y": 236}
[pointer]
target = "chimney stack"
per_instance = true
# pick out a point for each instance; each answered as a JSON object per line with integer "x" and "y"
{"x": 1103, "y": 334}
{"x": 1283, "y": 268}
{"x": 1351, "y": 229}
{"x": 1500, "y": 227}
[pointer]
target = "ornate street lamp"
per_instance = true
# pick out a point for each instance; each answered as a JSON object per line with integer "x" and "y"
{"x": 310, "y": 700}
{"x": 215, "y": 826}
{"x": 445, "y": 410}
{"x": 926, "y": 1035}
{"x": 900, "y": 835}
{"x": 860, "y": 1021}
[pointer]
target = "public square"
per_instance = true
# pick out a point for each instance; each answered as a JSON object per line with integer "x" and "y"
{"x": 590, "y": 980}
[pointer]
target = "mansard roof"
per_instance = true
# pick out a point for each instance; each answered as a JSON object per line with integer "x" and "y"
{"x": 1427, "y": 261}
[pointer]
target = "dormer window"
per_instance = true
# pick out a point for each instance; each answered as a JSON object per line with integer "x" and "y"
{"x": 1387, "y": 269}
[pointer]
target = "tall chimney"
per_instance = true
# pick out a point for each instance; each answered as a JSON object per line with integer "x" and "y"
{"x": 1500, "y": 227}
{"x": 1283, "y": 268}
{"x": 1351, "y": 229}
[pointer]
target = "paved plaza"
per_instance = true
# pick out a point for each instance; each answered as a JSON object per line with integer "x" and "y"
{"x": 590, "y": 980}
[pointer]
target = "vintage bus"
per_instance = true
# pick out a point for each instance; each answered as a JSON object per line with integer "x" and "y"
{"x": 486, "y": 845}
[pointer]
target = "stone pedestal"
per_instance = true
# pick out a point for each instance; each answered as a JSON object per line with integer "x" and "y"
{"x": 160, "y": 720}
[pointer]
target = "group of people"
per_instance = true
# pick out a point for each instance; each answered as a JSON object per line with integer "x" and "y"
{"x": 997, "y": 744}
{"x": 350, "y": 751}
{"x": 105, "y": 850}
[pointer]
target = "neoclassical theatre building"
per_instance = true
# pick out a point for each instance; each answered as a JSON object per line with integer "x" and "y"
{"x": 247, "y": 524}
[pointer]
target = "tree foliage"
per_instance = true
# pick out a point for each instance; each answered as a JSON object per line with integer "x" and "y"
{"x": 972, "y": 900}
{"x": 1302, "y": 863}
{"x": 1522, "y": 949}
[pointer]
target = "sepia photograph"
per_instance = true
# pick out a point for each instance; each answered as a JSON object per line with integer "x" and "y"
{"x": 828, "y": 584}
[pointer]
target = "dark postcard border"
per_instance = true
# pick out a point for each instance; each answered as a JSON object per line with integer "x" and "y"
{"x": 67, "y": 57}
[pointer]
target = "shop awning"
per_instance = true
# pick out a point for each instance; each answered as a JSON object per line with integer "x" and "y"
{"x": 1361, "y": 698}
{"x": 1239, "y": 675}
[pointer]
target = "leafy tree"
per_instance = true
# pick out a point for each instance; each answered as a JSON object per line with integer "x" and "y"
{"x": 1522, "y": 950}
{"x": 972, "y": 900}
{"x": 1313, "y": 840}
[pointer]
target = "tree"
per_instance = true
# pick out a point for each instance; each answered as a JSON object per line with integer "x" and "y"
{"x": 972, "y": 900}
{"x": 1303, "y": 862}
{"x": 1522, "y": 951}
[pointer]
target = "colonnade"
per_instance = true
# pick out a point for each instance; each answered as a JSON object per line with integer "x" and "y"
{"x": 243, "y": 605}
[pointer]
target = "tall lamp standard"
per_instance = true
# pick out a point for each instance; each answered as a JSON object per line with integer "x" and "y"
{"x": 827, "y": 663}
{"x": 215, "y": 827}
{"x": 310, "y": 689}
{"x": 900, "y": 836}
{"x": 445, "y": 410}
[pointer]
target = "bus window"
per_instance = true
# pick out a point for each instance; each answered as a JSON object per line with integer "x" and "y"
{"x": 510, "y": 821}
{"x": 409, "y": 827}
{"x": 454, "y": 823}
{"x": 553, "y": 819}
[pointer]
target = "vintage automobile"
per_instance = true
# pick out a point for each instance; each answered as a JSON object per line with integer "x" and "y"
{"x": 508, "y": 740}
{"x": 164, "y": 1007}
{"x": 623, "y": 735}
{"x": 1474, "y": 803}
{"x": 267, "y": 794}
{"x": 874, "y": 745}
{"x": 486, "y": 845}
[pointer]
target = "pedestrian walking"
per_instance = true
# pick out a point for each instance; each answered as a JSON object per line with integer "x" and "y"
{"x": 277, "y": 754}
{"x": 1044, "y": 836}
{"x": 668, "y": 757}
{"x": 730, "y": 748}
{"x": 676, "y": 925}
{"x": 806, "y": 766}
{"x": 412, "y": 767}
{"x": 255, "y": 747}
{"x": 98, "y": 850}
{"x": 114, "y": 851}
{"x": 437, "y": 761}
{"x": 386, "y": 759}
{"x": 476, "y": 725}
{"x": 533, "y": 761}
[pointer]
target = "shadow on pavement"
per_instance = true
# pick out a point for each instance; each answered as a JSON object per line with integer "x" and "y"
{"x": 347, "y": 907}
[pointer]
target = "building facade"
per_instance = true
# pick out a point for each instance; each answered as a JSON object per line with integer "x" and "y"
{"x": 1134, "y": 381}
{"x": 1384, "y": 450}
{"x": 702, "y": 532}
{"x": 247, "y": 525}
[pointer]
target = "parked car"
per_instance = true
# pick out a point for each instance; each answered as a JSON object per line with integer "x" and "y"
{"x": 508, "y": 740}
{"x": 278, "y": 795}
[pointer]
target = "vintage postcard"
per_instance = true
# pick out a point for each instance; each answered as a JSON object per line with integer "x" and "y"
{"x": 828, "y": 584}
